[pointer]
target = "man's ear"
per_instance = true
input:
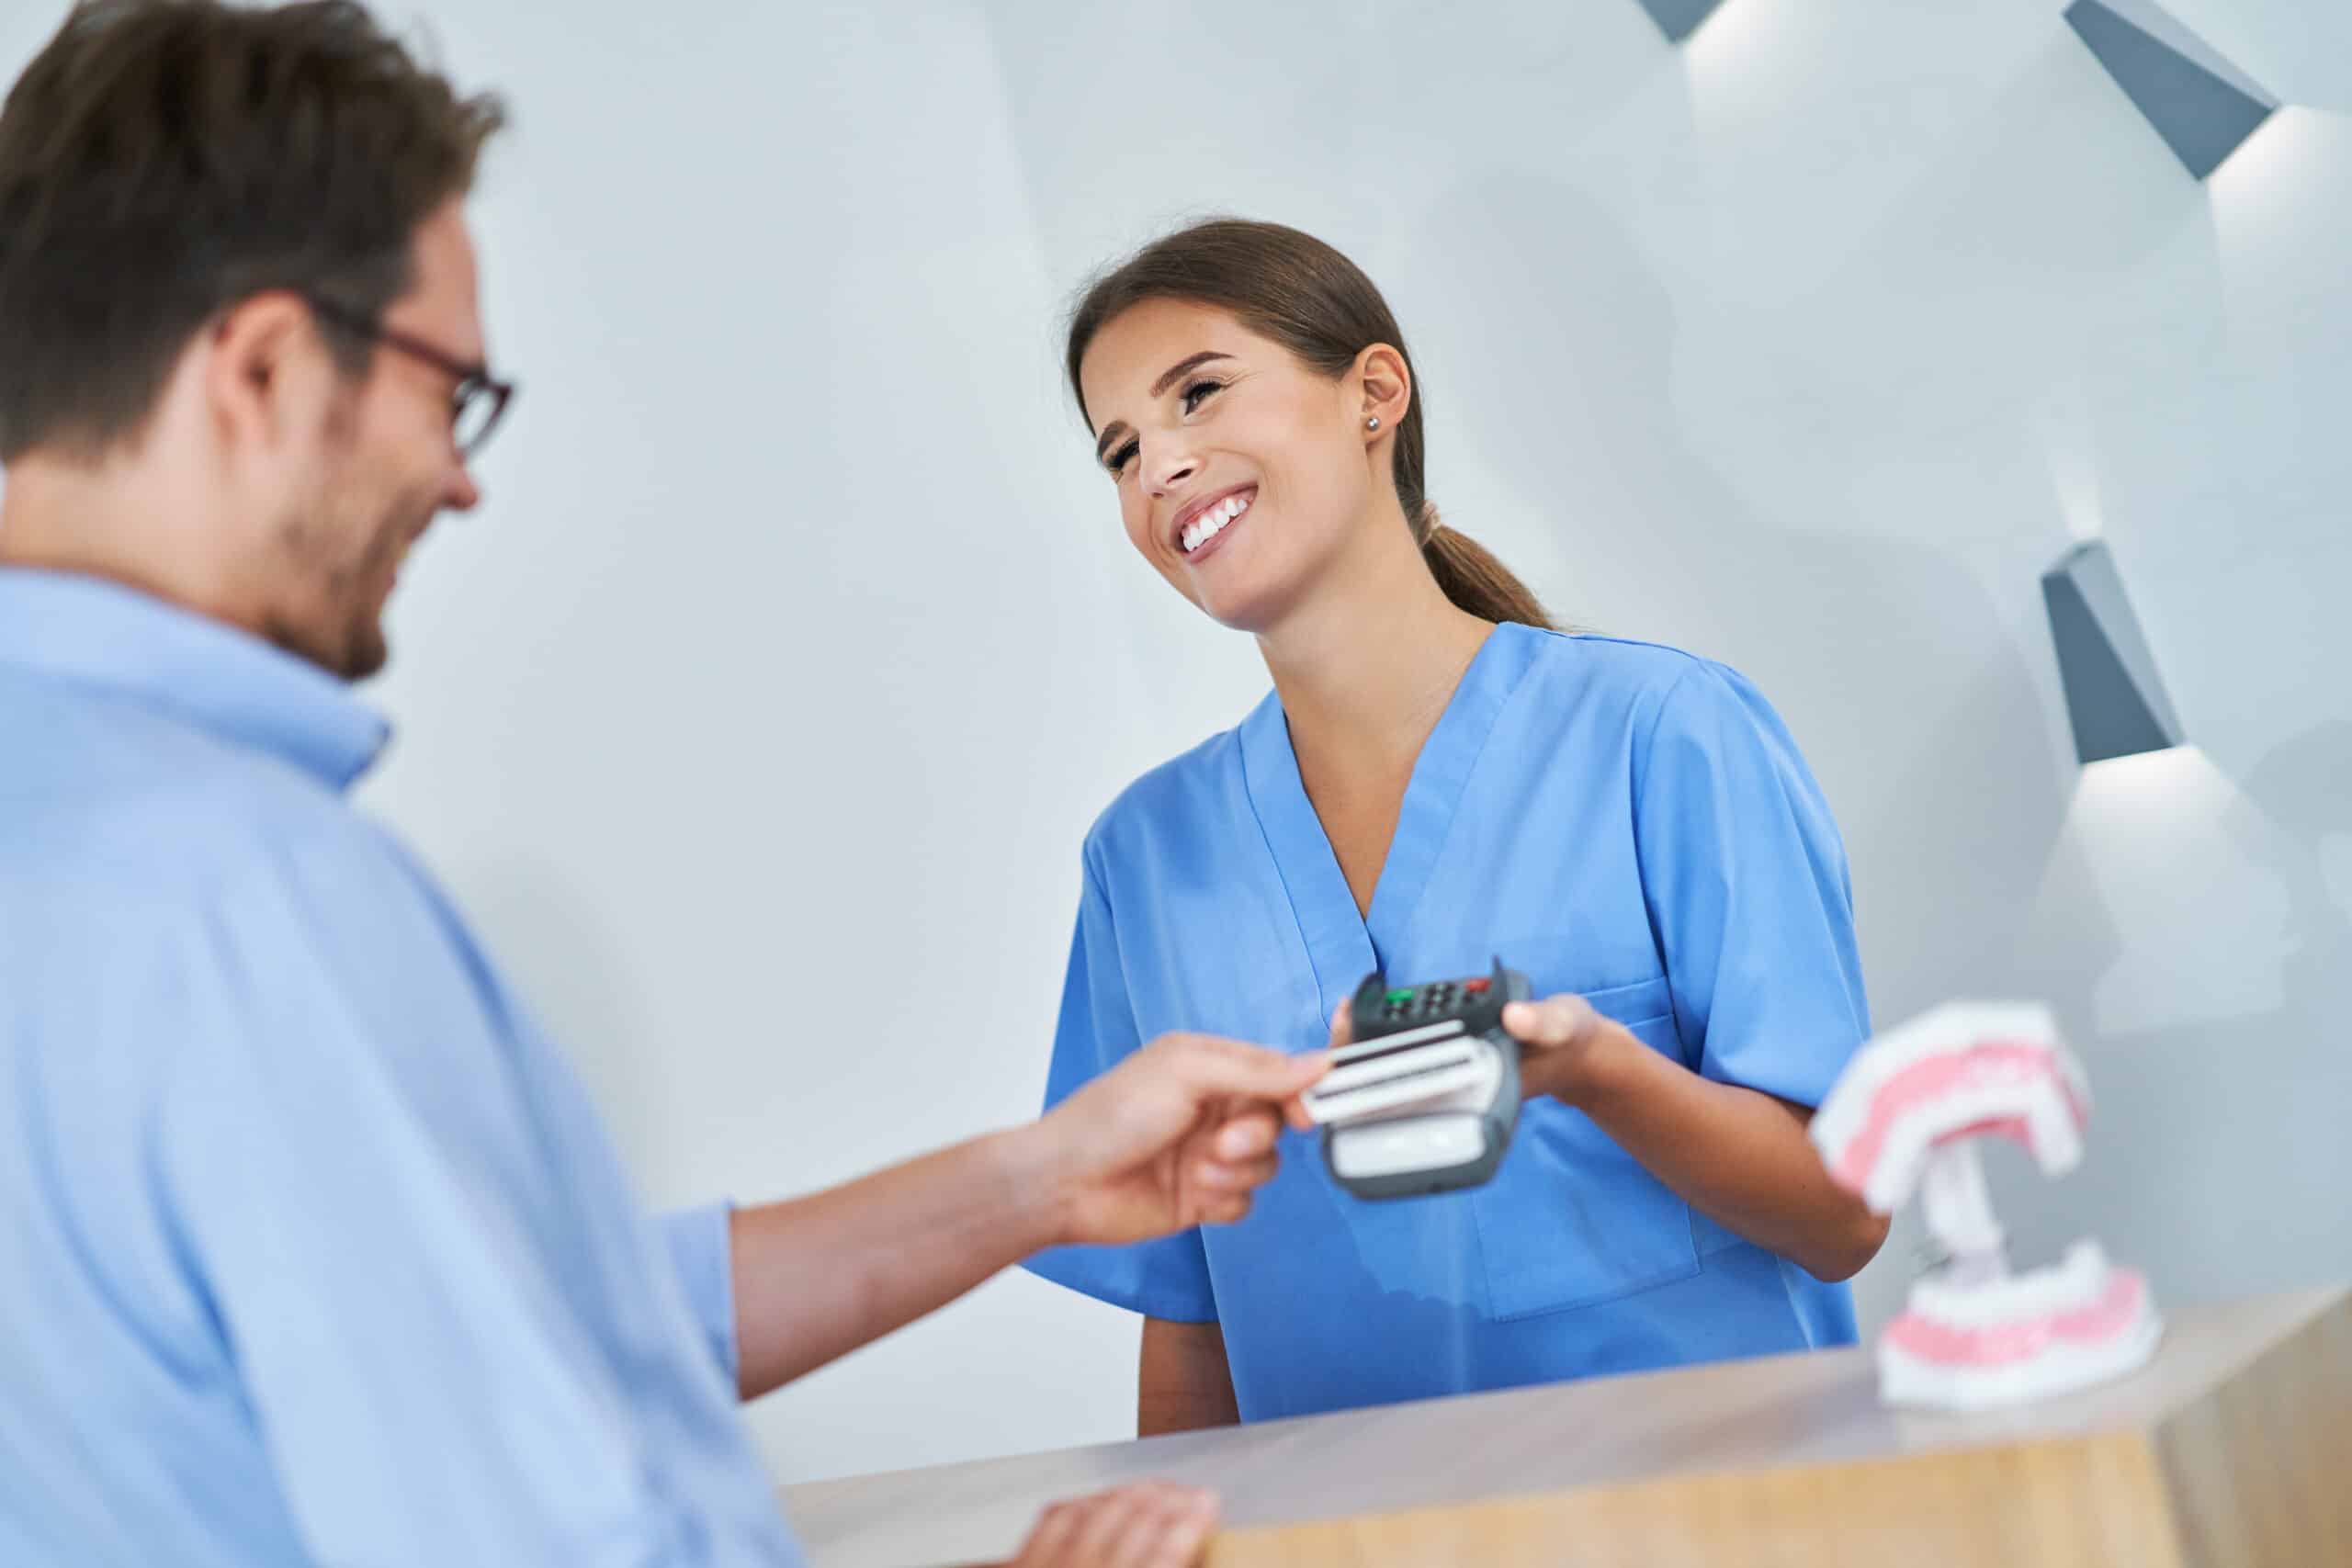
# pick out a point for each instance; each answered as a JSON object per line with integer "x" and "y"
{"x": 268, "y": 378}
{"x": 1386, "y": 383}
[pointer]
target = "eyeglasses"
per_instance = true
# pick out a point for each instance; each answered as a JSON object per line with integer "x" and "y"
{"x": 480, "y": 398}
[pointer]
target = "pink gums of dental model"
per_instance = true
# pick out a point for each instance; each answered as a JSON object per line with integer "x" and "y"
{"x": 1907, "y": 1116}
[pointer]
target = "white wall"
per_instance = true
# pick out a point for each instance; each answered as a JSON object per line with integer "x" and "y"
{"x": 758, "y": 716}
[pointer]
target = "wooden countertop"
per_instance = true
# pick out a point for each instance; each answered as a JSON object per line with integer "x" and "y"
{"x": 1788, "y": 1417}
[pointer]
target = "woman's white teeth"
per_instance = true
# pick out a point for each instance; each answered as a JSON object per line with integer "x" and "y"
{"x": 1210, "y": 524}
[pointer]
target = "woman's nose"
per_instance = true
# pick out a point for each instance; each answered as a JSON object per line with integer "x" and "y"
{"x": 1168, "y": 469}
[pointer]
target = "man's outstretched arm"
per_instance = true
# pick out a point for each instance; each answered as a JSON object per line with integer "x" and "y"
{"x": 1181, "y": 1133}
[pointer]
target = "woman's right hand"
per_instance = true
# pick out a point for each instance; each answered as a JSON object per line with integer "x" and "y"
{"x": 1150, "y": 1525}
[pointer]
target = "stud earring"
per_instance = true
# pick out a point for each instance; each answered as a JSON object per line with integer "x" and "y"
{"x": 1372, "y": 423}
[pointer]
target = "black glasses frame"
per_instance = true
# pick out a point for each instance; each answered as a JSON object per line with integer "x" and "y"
{"x": 474, "y": 379}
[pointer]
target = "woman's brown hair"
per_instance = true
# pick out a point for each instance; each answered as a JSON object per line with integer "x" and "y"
{"x": 1292, "y": 289}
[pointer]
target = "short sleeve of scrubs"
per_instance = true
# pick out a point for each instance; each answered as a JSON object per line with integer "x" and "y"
{"x": 1749, "y": 892}
{"x": 1165, "y": 1279}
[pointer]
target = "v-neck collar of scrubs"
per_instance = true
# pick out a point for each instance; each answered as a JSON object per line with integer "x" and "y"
{"x": 1342, "y": 945}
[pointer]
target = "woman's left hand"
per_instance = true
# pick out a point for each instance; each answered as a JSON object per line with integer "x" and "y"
{"x": 1562, "y": 1035}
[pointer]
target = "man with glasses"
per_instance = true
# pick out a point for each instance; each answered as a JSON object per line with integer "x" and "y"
{"x": 478, "y": 400}
{"x": 311, "y": 1248}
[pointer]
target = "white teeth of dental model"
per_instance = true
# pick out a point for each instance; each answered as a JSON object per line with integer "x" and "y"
{"x": 1906, "y": 1115}
{"x": 1995, "y": 1068}
{"x": 2047, "y": 1332}
{"x": 1213, "y": 522}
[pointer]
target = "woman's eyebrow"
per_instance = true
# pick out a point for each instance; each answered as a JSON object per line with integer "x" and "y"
{"x": 1118, "y": 427}
{"x": 1167, "y": 376}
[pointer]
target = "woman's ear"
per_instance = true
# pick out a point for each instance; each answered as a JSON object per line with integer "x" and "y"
{"x": 1387, "y": 388}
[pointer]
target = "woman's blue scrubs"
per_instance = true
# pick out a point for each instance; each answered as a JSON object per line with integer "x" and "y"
{"x": 1616, "y": 819}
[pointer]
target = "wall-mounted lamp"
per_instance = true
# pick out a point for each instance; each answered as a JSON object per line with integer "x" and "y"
{"x": 2202, "y": 105}
{"x": 2114, "y": 697}
{"x": 1678, "y": 19}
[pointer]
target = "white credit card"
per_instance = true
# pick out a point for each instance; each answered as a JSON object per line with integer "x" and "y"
{"x": 1375, "y": 1082}
{"x": 1384, "y": 1044}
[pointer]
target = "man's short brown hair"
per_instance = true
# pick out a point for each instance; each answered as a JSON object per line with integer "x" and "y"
{"x": 162, "y": 160}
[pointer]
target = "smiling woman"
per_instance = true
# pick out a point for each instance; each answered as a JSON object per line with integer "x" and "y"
{"x": 1275, "y": 289}
{"x": 1437, "y": 779}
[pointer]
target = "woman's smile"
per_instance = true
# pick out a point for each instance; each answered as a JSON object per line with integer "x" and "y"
{"x": 1204, "y": 524}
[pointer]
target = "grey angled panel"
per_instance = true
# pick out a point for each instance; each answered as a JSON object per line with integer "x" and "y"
{"x": 1678, "y": 19}
{"x": 2202, "y": 105}
{"x": 2114, "y": 697}
{"x": 2161, "y": 26}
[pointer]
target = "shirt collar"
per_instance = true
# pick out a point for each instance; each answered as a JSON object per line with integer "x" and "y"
{"x": 96, "y": 634}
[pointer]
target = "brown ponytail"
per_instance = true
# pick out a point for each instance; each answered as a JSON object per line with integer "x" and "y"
{"x": 1471, "y": 575}
{"x": 1299, "y": 292}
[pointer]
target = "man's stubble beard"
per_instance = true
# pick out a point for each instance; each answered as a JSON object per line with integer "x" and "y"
{"x": 336, "y": 567}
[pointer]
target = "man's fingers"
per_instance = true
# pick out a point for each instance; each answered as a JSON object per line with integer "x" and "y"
{"x": 1220, "y": 1209}
{"x": 1246, "y": 1175}
{"x": 1342, "y": 1034}
{"x": 1106, "y": 1520}
{"x": 1150, "y": 1525}
{"x": 1048, "y": 1542}
{"x": 1167, "y": 1532}
{"x": 1211, "y": 1070}
{"x": 1230, "y": 1131}
{"x": 1252, "y": 1132}
{"x": 1213, "y": 1065}
{"x": 1554, "y": 1021}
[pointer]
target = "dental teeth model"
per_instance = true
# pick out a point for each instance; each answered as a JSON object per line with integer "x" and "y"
{"x": 1905, "y": 1115}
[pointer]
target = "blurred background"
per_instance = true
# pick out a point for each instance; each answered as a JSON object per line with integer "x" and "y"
{"x": 757, "y": 717}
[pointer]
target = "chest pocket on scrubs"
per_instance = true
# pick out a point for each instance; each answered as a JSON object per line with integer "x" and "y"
{"x": 1571, "y": 1219}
